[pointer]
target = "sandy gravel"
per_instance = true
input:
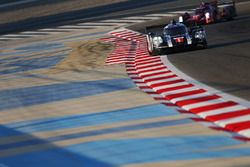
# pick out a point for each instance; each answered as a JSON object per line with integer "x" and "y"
{"x": 86, "y": 55}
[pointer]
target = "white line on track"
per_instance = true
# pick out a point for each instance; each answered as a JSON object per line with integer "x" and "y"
{"x": 122, "y": 21}
{"x": 77, "y": 27}
{"x": 17, "y": 3}
{"x": 34, "y": 32}
{"x": 142, "y": 18}
{"x": 17, "y": 35}
{"x": 162, "y": 15}
{"x": 57, "y": 29}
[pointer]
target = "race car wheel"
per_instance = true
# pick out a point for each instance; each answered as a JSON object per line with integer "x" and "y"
{"x": 156, "y": 52}
{"x": 204, "y": 44}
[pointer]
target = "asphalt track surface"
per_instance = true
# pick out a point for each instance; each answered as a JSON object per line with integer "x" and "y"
{"x": 225, "y": 65}
{"x": 111, "y": 11}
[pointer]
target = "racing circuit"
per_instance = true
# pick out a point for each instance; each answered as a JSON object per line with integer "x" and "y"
{"x": 83, "y": 91}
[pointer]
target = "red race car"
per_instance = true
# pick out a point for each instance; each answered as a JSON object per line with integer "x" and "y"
{"x": 210, "y": 12}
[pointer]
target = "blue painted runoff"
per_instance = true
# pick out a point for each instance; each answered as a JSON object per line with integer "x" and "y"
{"x": 65, "y": 122}
{"x": 23, "y": 97}
{"x": 108, "y": 153}
{"x": 40, "y": 47}
{"x": 32, "y": 64}
{"x": 81, "y": 135}
{"x": 16, "y": 57}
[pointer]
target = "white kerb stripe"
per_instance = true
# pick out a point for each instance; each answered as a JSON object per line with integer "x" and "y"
{"x": 153, "y": 72}
{"x": 179, "y": 91}
{"x": 239, "y": 119}
{"x": 223, "y": 110}
{"x": 151, "y": 68}
{"x": 190, "y": 97}
{"x": 159, "y": 76}
{"x": 147, "y": 64}
{"x": 143, "y": 60}
{"x": 142, "y": 17}
{"x": 245, "y": 132}
{"x": 201, "y": 104}
{"x": 163, "y": 80}
{"x": 146, "y": 58}
{"x": 171, "y": 85}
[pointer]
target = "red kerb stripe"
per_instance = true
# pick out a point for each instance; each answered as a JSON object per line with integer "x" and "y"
{"x": 197, "y": 100}
{"x": 177, "y": 95}
{"x": 228, "y": 115}
{"x": 213, "y": 107}
{"x": 236, "y": 127}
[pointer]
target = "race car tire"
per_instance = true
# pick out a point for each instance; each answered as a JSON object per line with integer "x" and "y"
{"x": 201, "y": 45}
{"x": 204, "y": 44}
{"x": 156, "y": 52}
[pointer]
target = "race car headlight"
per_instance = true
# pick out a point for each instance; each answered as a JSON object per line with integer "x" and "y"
{"x": 157, "y": 40}
{"x": 207, "y": 15}
{"x": 199, "y": 35}
{"x": 181, "y": 19}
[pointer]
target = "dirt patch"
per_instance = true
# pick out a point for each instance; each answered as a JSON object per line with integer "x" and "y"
{"x": 87, "y": 55}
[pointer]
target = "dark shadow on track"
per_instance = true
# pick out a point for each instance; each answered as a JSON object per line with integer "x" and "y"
{"x": 18, "y": 146}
